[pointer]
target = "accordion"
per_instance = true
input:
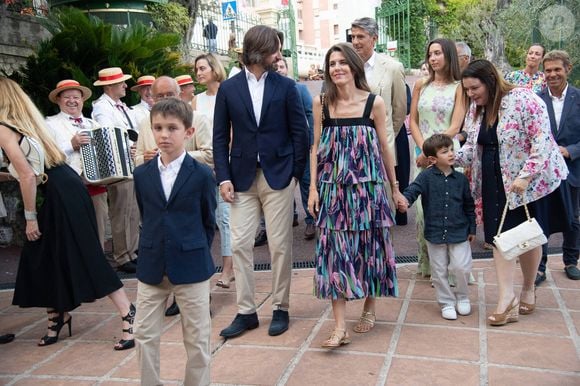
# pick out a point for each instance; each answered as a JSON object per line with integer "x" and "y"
{"x": 107, "y": 158}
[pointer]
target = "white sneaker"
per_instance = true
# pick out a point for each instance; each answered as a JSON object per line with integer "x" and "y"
{"x": 448, "y": 312}
{"x": 463, "y": 307}
{"x": 451, "y": 280}
{"x": 472, "y": 279}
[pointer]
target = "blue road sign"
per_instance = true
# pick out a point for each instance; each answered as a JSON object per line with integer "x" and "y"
{"x": 229, "y": 10}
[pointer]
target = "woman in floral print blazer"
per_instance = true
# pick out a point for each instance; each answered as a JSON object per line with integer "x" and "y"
{"x": 510, "y": 149}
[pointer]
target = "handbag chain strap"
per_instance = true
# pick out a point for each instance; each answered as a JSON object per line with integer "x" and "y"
{"x": 505, "y": 209}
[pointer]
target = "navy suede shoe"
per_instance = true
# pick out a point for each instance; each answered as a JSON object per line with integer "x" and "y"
{"x": 572, "y": 272}
{"x": 279, "y": 324}
{"x": 540, "y": 278}
{"x": 173, "y": 309}
{"x": 241, "y": 324}
{"x": 6, "y": 338}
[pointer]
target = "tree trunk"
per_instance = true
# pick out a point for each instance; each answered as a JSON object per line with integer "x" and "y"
{"x": 494, "y": 40}
{"x": 192, "y": 9}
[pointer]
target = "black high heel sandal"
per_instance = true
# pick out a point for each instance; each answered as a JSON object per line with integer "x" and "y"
{"x": 59, "y": 323}
{"x": 125, "y": 344}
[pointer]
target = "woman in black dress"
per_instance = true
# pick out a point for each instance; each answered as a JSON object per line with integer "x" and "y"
{"x": 62, "y": 263}
{"x": 515, "y": 160}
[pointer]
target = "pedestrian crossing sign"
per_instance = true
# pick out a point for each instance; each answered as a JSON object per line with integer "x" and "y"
{"x": 229, "y": 10}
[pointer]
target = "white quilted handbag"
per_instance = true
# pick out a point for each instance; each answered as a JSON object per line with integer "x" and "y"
{"x": 520, "y": 239}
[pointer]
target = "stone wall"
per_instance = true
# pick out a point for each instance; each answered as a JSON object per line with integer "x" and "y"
{"x": 19, "y": 34}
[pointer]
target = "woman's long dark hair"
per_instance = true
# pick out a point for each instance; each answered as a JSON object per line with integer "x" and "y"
{"x": 356, "y": 65}
{"x": 497, "y": 88}
{"x": 451, "y": 59}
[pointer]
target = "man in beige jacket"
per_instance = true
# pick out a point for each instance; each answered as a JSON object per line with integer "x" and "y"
{"x": 385, "y": 75}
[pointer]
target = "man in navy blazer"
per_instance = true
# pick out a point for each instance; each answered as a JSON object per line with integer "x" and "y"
{"x": 260, "y": 147}
{"x": 563, "y": 102}
{"x": 177, "y": 201}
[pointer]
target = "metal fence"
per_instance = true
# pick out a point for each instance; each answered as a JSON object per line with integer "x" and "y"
{"x": 230, "y": 33}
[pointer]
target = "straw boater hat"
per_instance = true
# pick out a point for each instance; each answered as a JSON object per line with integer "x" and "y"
{"x": 69, "y": 84}
{"x": 111, "y": 76}
{"x": 142, "y": 81}
{"x": 182, "y": 80}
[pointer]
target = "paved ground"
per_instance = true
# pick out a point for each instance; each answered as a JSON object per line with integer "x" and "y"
{"x": 404, "y": 241}
{"x": 410, "y": 345}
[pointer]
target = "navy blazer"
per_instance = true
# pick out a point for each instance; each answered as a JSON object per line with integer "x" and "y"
{"x": 568, "y": 135}
{"x": 307, "y": 105}
{"x": 281, "y": 139}
{"x": 176, "y": 234}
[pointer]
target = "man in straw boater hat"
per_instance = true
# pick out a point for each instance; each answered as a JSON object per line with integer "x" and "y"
{"x": 108, "y": 110}
{"x": 143, "y": 87}
{"x": 64, "y": 127}
{"x": 187, "y": 87}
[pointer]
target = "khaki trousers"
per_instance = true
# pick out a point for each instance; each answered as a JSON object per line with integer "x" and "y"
{"x": 450, "y": 259}
{"x": 193, "y": 301}
{"x": 124, "y": 215}
{"x": 101, "y": 212}
{"x": 278, "y": 209}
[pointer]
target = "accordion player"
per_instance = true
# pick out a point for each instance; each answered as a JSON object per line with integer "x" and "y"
{"x": 107, "y": 158}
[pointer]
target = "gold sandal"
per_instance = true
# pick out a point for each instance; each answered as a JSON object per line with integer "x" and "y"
{"x": 527, "y": 308}
{"x": 366, "y": 322}
{"x": 337, "y": 338}
{"x": 510, "y": 315}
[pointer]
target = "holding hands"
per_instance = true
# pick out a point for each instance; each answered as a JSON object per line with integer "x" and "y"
{"x": 401, "y": 202}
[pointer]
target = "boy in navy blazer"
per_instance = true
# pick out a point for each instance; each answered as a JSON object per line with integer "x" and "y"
{"x": 176, "y": 199}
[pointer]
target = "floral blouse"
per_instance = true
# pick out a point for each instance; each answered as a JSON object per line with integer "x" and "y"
{"x": 526, "y": 148}
{"x": 521, "y": 78}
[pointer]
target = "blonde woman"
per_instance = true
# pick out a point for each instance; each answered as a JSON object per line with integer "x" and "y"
{"x": 62, "y": 263}
{"x": 210, "y": 72}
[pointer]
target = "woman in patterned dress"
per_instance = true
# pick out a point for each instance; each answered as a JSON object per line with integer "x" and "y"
{"x": 437, "y": 107}
{"x": 530, "y": 77}
{"x": 515, "y": 159}
{"x": 350, "y": 164}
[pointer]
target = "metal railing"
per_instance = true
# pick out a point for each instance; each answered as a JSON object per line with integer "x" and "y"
{"x": 230, "y": 33}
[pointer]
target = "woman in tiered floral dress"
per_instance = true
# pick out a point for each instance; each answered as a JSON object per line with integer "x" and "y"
{"x": 349, "y": 166}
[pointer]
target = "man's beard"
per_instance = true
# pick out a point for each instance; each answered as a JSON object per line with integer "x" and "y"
{"x": 270, "y": 66}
